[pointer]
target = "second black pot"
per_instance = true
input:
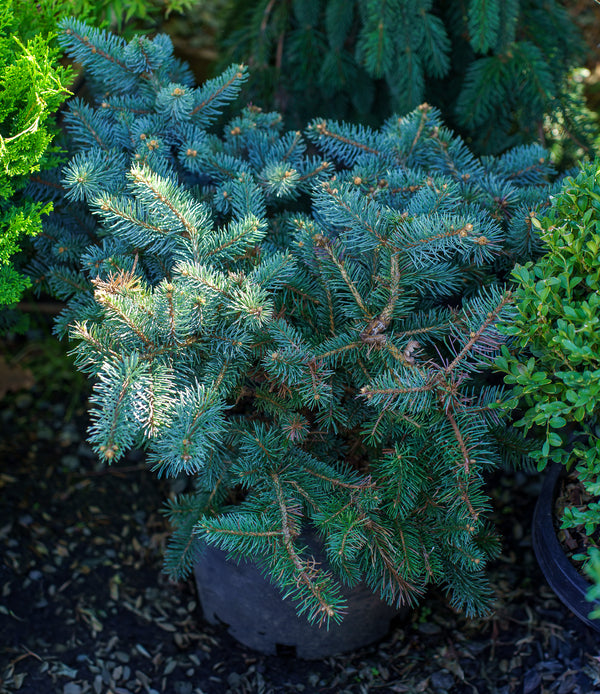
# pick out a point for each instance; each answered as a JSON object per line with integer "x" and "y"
{"x": 562, "y": 576}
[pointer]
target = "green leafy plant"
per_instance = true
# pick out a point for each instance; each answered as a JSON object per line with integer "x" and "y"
{"x": 303, "y": 328}
{"x": 556, "y": 371}
{"x": 493, "y": 68}
{"x": 120, "y": 15}
{"x": 592, "y": 569}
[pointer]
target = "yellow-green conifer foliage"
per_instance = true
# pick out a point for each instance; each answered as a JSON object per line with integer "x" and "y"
{"x": 32, "y": 87}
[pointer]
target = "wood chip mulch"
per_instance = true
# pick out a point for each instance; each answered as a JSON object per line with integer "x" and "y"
{"x": 84, "y": 607}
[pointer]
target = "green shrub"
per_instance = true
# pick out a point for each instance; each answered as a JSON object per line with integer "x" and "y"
{"x": 127, "y": 16}
{"x": 121, "y": 15}
{"x": 32, "y": 87}
{"x": 556, "y": 372}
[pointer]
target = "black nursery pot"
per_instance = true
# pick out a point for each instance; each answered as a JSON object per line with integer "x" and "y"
{"x": 564, "y": 579}
{"x": 238, "y": 595}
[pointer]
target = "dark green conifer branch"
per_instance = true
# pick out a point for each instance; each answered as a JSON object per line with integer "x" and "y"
{"x": 496, "y": 68}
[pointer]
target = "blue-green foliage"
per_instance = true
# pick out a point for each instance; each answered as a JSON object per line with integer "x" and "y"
{"x": 300, "y": 323}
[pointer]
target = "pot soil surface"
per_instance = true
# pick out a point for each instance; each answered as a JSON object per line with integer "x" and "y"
{"x": 84, "y": 607}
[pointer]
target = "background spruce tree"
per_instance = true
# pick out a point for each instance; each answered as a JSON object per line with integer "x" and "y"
{"x": 306, "y": 336}
{"x": 494, "y": 68}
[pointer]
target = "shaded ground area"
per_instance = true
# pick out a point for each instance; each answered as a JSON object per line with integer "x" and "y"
{"x": 84, "y": 606}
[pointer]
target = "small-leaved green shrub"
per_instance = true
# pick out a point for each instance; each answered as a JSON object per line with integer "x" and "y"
{"x": 592, "y": 569}
{"x": 556, "y": 371}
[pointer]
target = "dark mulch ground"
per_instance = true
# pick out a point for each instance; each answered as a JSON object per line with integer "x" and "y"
{"x": 84, "y": 606}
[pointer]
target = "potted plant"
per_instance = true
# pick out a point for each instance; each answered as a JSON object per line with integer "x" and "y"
{"x": 556, "y": 379}
{"x": 304, "y": 329}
